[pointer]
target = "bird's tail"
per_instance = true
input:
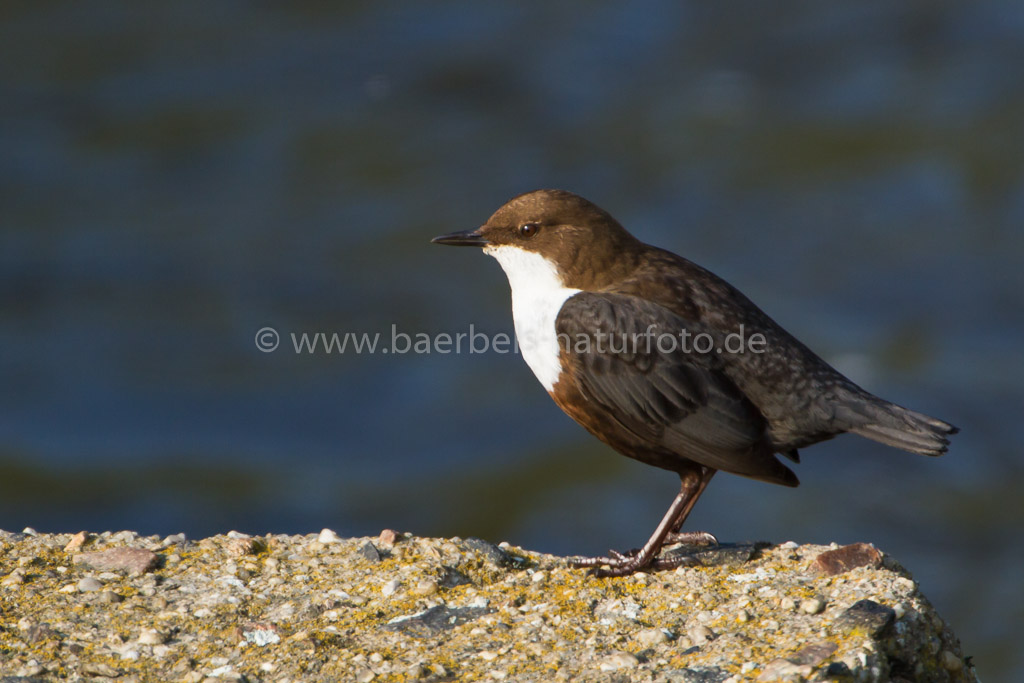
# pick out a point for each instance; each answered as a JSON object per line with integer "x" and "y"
{"x": 893, "y": 425}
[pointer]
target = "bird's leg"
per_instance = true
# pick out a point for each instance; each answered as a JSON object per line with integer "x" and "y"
{"x": 692, "y": 484}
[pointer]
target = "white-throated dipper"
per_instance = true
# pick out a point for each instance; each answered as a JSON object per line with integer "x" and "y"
{"x": 668, "y": 363}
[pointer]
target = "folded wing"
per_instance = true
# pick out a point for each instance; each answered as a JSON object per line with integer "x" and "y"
{"x": 632, "y": 360}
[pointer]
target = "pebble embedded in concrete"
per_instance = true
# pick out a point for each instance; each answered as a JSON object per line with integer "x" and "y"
{"x": 89, "y": 585}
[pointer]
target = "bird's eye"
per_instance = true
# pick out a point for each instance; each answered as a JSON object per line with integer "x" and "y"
{"x": 529, "y": 229}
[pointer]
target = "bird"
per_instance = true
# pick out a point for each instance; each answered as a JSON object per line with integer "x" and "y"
{"x": 603, "y": 320}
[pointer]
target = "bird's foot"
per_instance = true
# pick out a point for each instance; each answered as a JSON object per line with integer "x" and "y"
{"x": 616, "y": 564}
{"x": 701, "y": 538}
{"x": 691, "y": 538}
{"x": 622, "y": 564}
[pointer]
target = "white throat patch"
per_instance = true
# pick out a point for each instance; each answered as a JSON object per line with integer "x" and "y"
{"x": 537, "y": 297}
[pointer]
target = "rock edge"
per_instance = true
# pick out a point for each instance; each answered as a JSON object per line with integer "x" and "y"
{"x": 122, "y": 607}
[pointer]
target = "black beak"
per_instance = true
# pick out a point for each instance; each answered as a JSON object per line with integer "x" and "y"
{"x": 466, "y": 238}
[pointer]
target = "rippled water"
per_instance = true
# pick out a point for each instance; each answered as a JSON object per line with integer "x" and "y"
{"x": 173, "y": 179}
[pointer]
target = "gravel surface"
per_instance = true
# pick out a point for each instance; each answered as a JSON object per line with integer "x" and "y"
{"x": 123, "y": 607}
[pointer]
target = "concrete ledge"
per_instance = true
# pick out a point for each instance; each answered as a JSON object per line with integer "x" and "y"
{"x": 121, "y": 607}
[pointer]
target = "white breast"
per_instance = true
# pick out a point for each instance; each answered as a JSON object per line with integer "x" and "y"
{"x": 537, "y": 296}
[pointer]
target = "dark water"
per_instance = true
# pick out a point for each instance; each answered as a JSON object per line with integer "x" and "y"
{"x": 173, "y": 179}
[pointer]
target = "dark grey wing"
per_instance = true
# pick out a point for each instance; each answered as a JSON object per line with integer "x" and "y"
{"x": 630, "y": 359}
